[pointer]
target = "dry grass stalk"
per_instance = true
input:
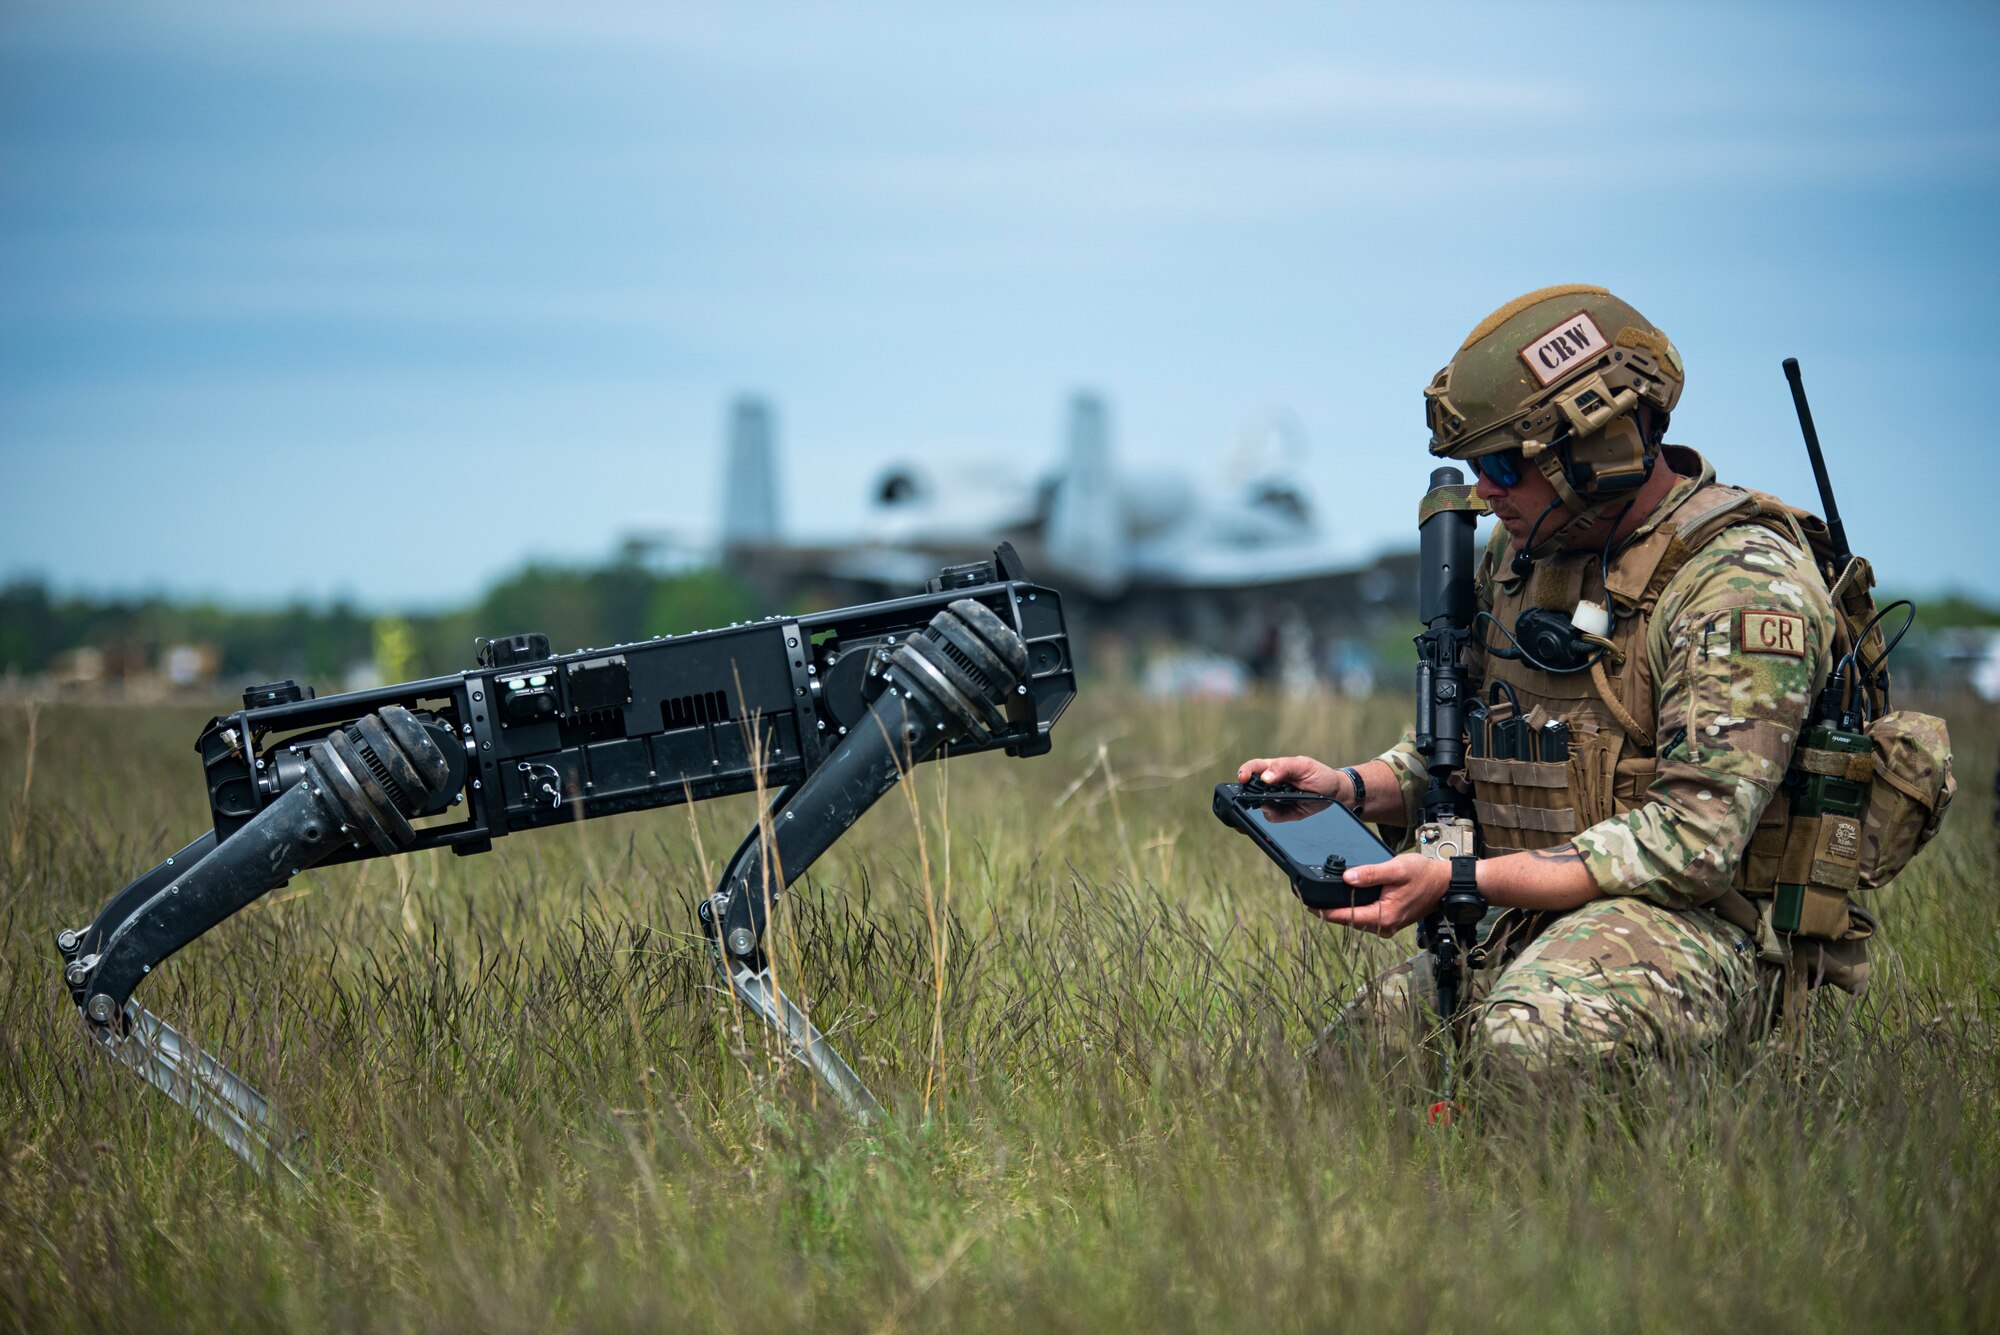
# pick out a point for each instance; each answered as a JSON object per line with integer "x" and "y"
{"x": 33, "y": 710}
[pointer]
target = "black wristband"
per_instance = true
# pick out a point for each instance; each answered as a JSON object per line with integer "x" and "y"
{"x": 1465, "y": 873}
{"x": 1360, "y": 788}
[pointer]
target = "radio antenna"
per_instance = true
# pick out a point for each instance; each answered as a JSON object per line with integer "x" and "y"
{"x": 1835, "y": 531}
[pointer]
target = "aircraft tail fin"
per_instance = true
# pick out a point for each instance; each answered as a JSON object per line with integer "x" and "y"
{"x": 750, "y": 478}
{"x": 1085, "y": 540}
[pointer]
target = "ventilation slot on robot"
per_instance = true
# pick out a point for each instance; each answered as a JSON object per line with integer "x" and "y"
{"x": 688, "y": 711}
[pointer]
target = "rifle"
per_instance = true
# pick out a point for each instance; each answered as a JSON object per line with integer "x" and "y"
{"x": 825, "y": 712}
{"x": 1447, "y": 604}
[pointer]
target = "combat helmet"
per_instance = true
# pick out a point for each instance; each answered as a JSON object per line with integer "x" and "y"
{"x": 1559, "y": 374}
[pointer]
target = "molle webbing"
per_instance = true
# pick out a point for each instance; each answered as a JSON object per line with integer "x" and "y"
{"x": 1520, "y": 804}
{"x": 1516, "y": 773}
{"x": 1542, "y": 820}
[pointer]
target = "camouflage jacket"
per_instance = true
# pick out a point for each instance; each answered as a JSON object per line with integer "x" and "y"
{"x": 1727, "y": 718}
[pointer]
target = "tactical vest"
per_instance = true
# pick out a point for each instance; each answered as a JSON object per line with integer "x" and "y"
{"x": 1527, "y": 801}
{"x": 1541, "y": 791}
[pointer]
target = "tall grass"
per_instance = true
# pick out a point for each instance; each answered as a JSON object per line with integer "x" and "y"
{"x": 529, "y": 1105}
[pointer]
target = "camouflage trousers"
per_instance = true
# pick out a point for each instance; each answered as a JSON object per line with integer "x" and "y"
{"x": 1616, "y": 978}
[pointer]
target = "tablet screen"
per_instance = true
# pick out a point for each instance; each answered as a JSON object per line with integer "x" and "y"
{"x": 1309, "y": 832}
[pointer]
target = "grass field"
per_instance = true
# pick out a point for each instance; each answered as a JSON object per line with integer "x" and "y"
{"x": 530, "y": 1108}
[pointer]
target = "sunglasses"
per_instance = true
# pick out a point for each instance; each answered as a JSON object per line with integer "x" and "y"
{"x": 1502, "y": 468}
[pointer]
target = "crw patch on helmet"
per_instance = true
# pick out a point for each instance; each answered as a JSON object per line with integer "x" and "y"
{"x": 1770, "y": 633}
{"x": 1563, "y": 348}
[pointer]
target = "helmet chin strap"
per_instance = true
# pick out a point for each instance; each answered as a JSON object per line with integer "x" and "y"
{"x": 1585, "y": 513}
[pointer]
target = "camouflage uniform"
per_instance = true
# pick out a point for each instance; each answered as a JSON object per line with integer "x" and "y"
{"x": 1619, "y": 975}
{"x": 1652, "y": 966}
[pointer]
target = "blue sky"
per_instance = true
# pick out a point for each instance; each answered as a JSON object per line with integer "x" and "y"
{"x": 381, "y": 299}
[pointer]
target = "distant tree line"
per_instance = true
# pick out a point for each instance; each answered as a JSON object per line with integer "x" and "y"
{"x": 1938, "y": 611}
{"x": 577, "y": 606}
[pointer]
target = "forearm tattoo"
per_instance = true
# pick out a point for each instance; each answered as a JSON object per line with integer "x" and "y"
{"x": 1565, "y": 853}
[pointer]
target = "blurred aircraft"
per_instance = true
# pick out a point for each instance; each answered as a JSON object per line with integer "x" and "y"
{"x": 1086, "y": 526}
{"x": 1241, "y": 568}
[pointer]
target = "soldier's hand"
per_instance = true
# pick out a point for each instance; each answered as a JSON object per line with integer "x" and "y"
{"x": 1411, "y": 886}
{"x": 1298, "y": 772}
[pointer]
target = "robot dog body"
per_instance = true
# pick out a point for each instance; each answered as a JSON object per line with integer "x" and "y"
{"x": 826, "y": 712}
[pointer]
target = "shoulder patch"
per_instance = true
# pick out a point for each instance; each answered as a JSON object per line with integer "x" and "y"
{"x": 1552, "y": 354}
{"x": 1762, "y": 632}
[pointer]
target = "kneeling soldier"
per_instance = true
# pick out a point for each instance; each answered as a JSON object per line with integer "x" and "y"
{"x": 1625, "y": 790}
